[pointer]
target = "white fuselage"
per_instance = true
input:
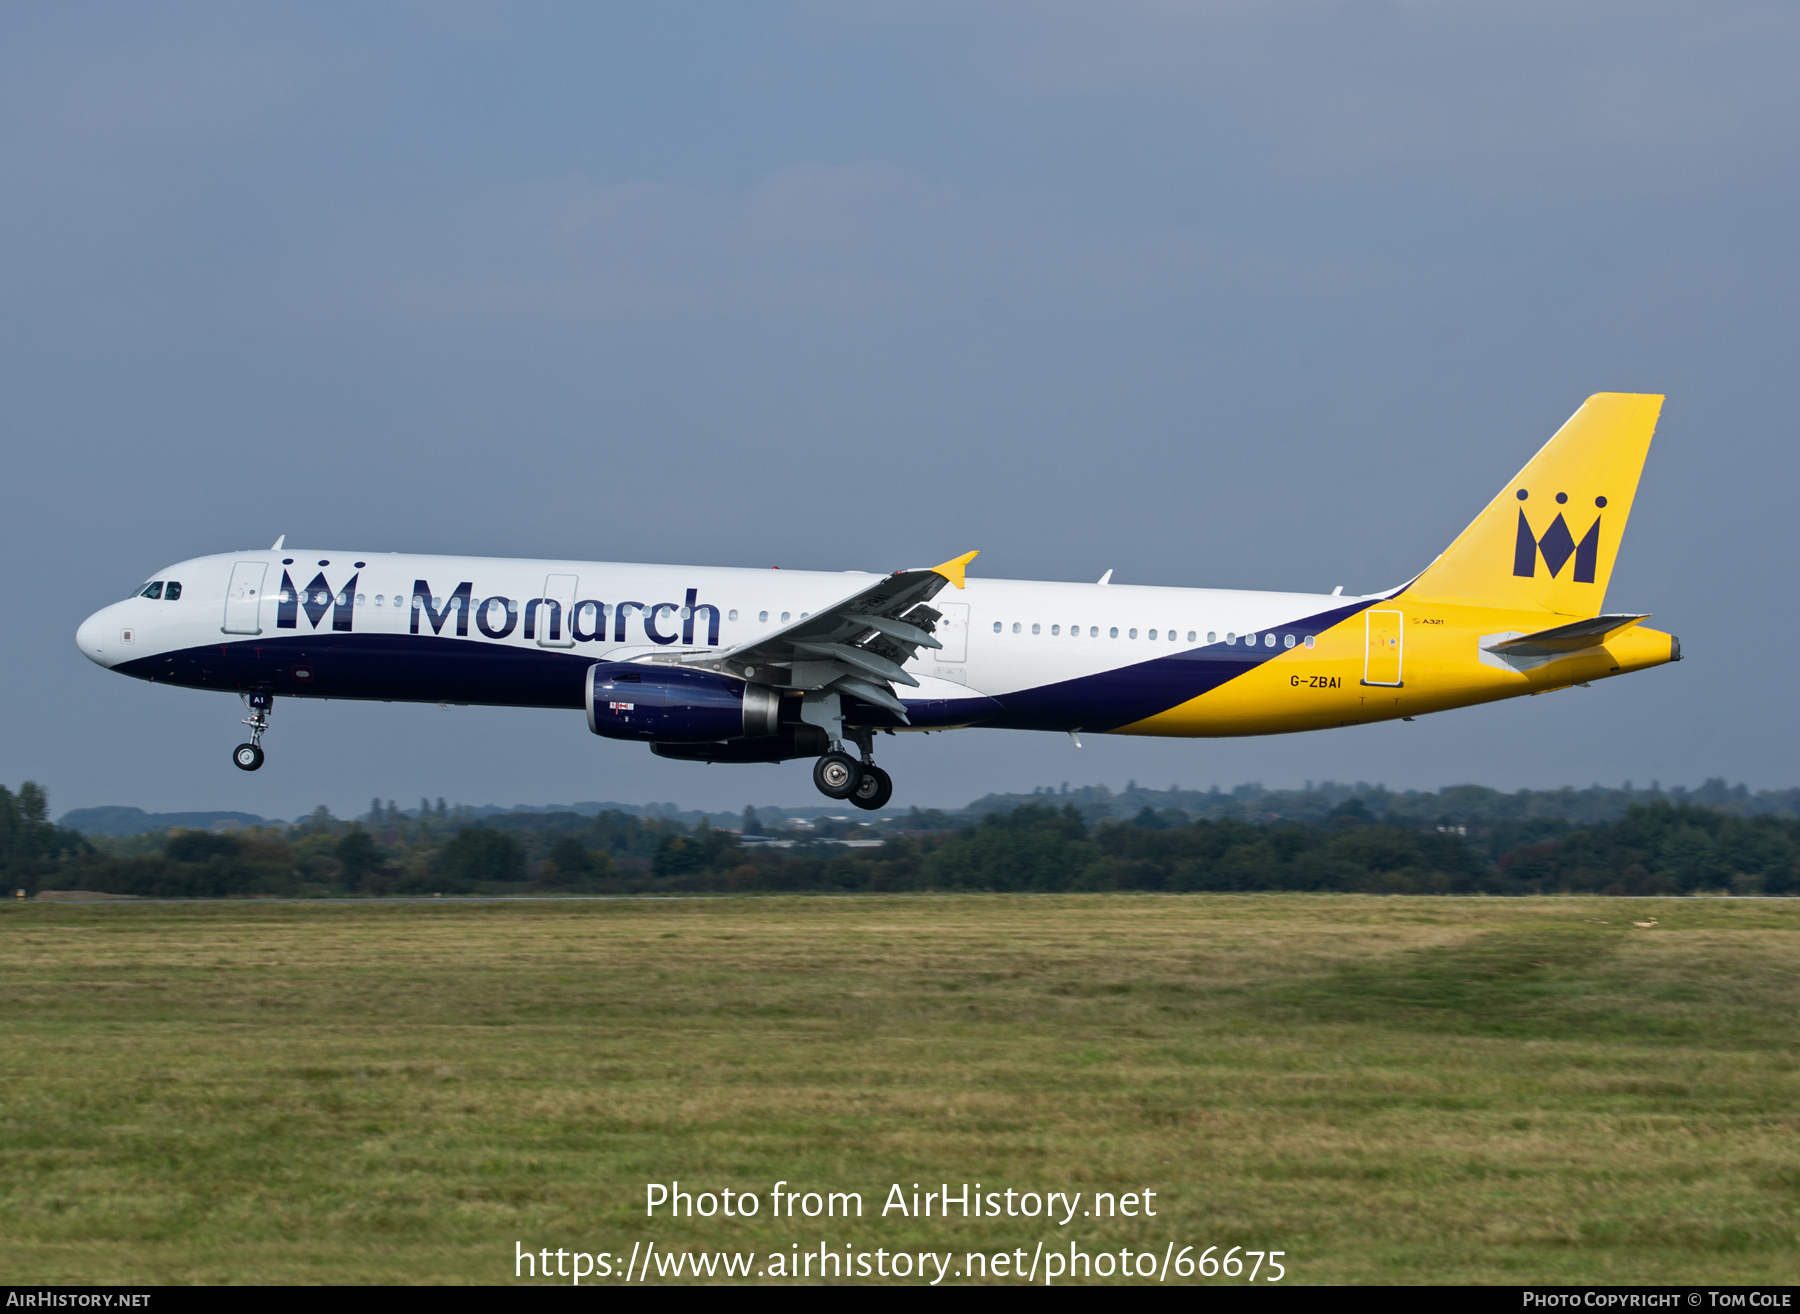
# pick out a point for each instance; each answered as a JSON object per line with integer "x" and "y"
{"x": 1000, "y": 636}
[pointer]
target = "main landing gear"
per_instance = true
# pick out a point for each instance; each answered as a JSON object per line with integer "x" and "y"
{"x": 248, "y": 757}
{"x": 837, "y": 774}
{"x": 865, "y": 785}
{"x": 874, "y": 789}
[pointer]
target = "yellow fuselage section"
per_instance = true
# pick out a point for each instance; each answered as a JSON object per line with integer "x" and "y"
{"x": 1397, "y": 659}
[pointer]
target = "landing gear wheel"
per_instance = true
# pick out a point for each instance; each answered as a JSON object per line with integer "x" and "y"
{"x": 248, "y": 757}
{"x": 874, "y": 790}
{"x": 837, "y": 775}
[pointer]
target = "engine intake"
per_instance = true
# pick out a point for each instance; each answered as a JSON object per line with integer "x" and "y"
{"x": 668, "y": 704}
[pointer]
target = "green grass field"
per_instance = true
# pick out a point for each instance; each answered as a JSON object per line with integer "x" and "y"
{"x": 1388, "y": 1090}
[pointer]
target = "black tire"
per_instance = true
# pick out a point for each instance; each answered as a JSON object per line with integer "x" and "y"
{"x": 246, "y": 757}
{"x": 876, "y": 788}
{"x": 837, "y": 775}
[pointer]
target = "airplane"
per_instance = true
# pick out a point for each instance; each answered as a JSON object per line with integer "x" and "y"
{"x": 733, "y": 665}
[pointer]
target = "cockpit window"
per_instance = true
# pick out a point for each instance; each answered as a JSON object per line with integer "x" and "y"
{"x": 152, "y": 590}
{"x": 172, "y": 590}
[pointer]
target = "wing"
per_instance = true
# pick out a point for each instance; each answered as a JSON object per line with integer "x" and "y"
{"x": 858, "y": 645}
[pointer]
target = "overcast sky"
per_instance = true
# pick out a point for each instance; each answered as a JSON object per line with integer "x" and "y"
{"x": 1224, "y": 294}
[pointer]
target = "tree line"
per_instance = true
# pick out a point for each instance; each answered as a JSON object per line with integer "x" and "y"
{"x": 1654, "y": 848}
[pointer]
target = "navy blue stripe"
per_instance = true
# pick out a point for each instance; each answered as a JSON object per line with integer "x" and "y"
{"x": 403, "y": 667}
{"x": 1129, "y": 694}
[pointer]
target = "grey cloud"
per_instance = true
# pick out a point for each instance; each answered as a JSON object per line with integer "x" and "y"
{"x": 863, "y": 239}
{"x": 1502, "y": 96}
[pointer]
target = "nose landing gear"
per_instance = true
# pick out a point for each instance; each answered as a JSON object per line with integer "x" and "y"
{"x": 248, "y": 757}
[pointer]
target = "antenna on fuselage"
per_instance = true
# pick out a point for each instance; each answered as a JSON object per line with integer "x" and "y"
{"x": 276, "y": 547}
{"x": 1106, "y": 578}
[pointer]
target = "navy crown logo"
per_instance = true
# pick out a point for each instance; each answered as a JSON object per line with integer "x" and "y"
{"x": 315, "y": 600}
{"x": 1557, "y": 545}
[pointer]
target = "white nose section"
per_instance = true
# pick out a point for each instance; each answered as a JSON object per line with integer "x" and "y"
{"x": 101, "y": 638}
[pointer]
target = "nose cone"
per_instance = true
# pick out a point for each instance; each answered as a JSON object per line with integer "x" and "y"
{"x": 99, "y": 637}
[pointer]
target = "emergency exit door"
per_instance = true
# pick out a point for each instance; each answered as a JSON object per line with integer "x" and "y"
{"x": 1381, "y": 663}
{"x": 952, "y": 632}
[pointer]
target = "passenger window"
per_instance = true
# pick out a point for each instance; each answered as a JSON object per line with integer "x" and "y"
{"x": 1268, "y": 640}
{"x": 1190, "y": 636}
{"x": 1131, "y": 635}
{"x": 1094, "y": 631}
{"x": 1056, "y": 629}
{"x": 762, "y": 617}
{"x": 1309, "y": 641}
{"x": 784, "y": 617}
{"x": 152, "y": 590}
{"x": 1172, "y": 636}
{"x": 359, "y": 599}
{"x": 1287, "y": 641}
{"x": 996, "y": 627}
{"x": 1015, "y": 627}
{"x": 1113, "y": 633}
{"x": 1230, "y": 638}
{"x": 1212, "y": 636}
{"x": 732, "y": 614}
{"x": 172, "y": 591}
{"x": 1036, "y": 628}
{"x": 1152, "y": 634}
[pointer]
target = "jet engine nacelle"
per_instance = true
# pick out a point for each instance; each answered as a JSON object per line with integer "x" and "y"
{"x": 672, "y": 705}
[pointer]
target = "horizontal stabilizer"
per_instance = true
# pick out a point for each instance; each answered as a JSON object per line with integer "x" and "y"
{"x": 1568, "y": 638}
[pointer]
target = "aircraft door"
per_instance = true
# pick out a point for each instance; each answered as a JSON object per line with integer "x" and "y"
{"x": 243, "y": 598}
{"x": 557, "y": 630}
{"x": 1381, "y": 662}
{"x": 952, "y": 632}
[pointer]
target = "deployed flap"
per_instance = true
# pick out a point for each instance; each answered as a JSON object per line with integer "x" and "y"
{"x": 855, "y": 646}
{"x": 1569, "y": 638}
{"x": 1550, "y": 537}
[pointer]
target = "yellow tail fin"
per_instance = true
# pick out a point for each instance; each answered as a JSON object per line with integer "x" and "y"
{"x": 1550, "y": 537}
